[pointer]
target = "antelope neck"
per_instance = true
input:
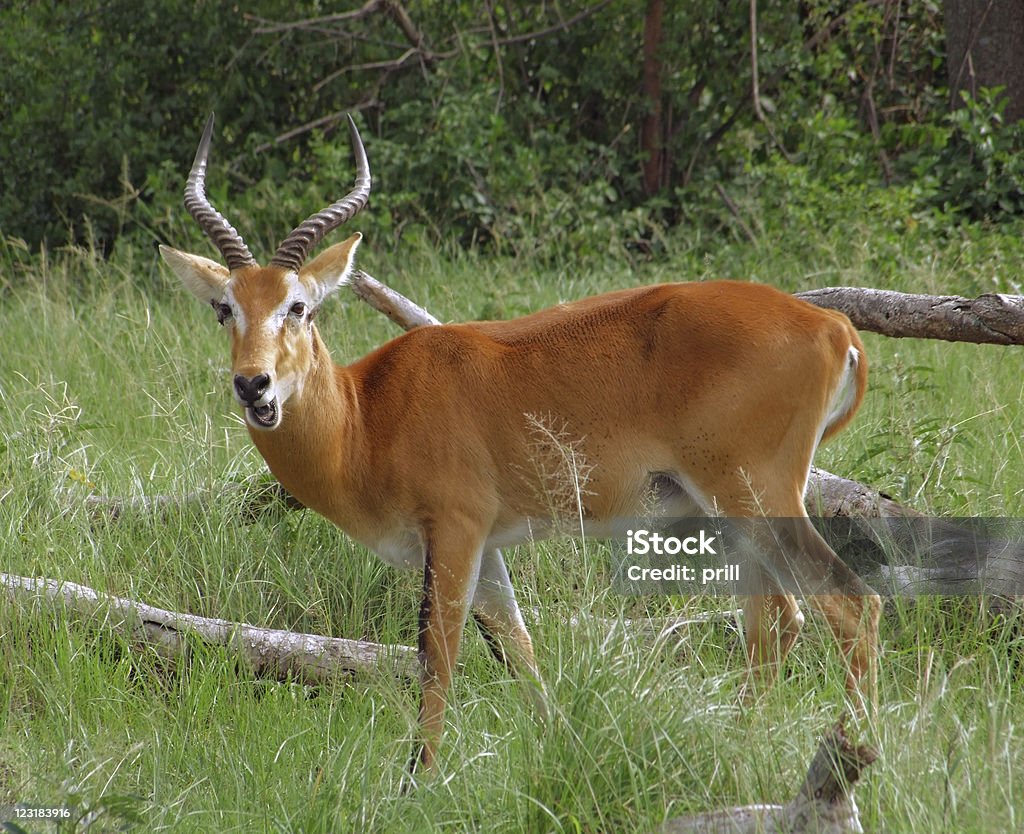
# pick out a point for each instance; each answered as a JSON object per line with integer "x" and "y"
{"x": 318, "y": 440}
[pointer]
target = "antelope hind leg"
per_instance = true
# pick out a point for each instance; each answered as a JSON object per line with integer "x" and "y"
{"x": 501, "y": 623}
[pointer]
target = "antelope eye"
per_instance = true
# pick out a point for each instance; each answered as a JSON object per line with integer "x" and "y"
{"x": 223, "y": 311}
{"x": 298, "y": 309}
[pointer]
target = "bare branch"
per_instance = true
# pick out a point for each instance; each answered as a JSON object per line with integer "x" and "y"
{"x": 837, "y": 22}
{"x": 393, "y": 8}
{"x": 418, "y": 54}
{"x": 395, "y": 11}
{"x": 755, "y": 92}
{"x": 652, "y": 130}
{"x": 270, "y": 28}
{"x": 401, "y": 17}
{"x": 392, "y": 304}
{"x": 499, "y": 65}
{"x": 408, "y": 27}
{"x": 755, "y": 86}
{"x": 561, "y": 26}
{"x": 388, "y": 66}
{"x": 329, "y": 119}
{"x": 735, "y": 212}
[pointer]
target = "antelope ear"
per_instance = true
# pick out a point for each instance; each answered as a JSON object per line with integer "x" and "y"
{"x": 205, "y": 278}
{"x": 330, "y": 269}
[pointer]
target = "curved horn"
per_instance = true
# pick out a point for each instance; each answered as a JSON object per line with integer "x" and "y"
{"x": 211, "y": 221}
{"x": 294, "y": 249}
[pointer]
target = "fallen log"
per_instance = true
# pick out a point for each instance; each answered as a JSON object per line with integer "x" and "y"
{"x": 257, "y": 494}
{"x": 944, "y": 556}
{"x": 823, "y": 805}
{"x": 902, "y": 552}
{"x": 274, "y": 653}
{"x": 832, "y": 495}
{"x": 992, "y": 318}
{"x": 270, "y": 653}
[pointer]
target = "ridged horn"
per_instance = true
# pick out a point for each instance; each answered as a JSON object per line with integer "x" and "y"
{"x": 294, "y": 249}
{"x": 218, "y": 230}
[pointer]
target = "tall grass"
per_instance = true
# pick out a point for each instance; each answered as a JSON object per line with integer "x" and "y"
{"x": 113, "y": 381}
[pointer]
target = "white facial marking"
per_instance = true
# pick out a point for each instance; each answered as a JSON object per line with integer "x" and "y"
{"x": 237, "y": 313}
{"x": 296, "y": 292}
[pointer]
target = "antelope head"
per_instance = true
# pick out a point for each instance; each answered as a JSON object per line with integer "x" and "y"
{"x": 268, "y": 310}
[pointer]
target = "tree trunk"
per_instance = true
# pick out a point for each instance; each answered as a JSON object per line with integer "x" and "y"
{"x": 985, "y": 48}
{"x": 651, "y": 131}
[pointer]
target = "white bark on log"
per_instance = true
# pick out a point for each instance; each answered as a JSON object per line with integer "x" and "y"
{"x": 271, "y": 653}
{"x": 830, "y": 496}
{"x": 992, "y": 318}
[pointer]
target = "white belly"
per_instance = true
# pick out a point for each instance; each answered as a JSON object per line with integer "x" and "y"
{"x": 403, "y": 552}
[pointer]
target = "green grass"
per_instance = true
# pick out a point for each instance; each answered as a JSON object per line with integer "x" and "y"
{"x": 113, "y": 381}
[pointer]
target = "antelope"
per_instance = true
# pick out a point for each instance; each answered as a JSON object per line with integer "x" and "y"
{"x": 707, "y": 398}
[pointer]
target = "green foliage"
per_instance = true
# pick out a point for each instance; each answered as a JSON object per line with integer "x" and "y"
{"x": 99, "y": 93}
{"x": 971, "y": 163}
{"x": 525, "y": 146}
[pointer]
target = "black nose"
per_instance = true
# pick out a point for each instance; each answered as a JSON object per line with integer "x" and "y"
{"x": 251, "y": 389}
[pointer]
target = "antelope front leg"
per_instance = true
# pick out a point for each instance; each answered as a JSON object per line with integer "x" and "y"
{"x": 450, "y": 571}
{"x": 773, "y": 622}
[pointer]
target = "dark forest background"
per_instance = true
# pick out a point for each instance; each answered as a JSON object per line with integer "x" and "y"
{"x": 526, "y": 128}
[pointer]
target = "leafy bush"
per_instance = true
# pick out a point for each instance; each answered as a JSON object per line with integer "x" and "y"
{"x": 518, "y": 135}
{"x": 97, "y": 94}
{"x": 971, "y": 162}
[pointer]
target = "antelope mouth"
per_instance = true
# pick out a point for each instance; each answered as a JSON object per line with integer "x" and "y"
{"x": 265, "y": 416}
